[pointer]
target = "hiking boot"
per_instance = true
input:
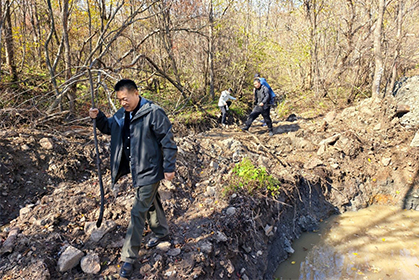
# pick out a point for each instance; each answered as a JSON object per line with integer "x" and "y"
{"x": 153, "y": 242}
{"x": 246, "y": 128}
{"x": 126, "y": 270}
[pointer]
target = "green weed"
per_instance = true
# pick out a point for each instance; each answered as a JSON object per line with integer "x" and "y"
{"x": 246, "y": 177}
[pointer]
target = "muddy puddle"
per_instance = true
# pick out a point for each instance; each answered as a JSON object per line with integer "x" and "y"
{"x": 379, "y": 242}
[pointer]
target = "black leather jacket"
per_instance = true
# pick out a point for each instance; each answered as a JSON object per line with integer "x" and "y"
{"x": 153, "y": 150}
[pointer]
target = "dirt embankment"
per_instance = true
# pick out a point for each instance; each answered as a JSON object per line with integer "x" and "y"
{"x": 342, "y": 161}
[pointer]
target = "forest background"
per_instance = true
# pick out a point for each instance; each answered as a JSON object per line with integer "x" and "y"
{"x": 182, "y": 53}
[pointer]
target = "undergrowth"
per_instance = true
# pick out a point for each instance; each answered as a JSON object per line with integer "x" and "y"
{"x": 250, "y": 179}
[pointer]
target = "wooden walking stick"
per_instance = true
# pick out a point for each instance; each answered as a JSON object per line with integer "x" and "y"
{"x": 102, "y": 192}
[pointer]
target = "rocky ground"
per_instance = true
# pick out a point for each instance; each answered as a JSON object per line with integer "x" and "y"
{"x": 345, "y": 160}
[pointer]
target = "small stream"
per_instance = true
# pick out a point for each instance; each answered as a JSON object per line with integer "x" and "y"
{"x": 379, "y": 242}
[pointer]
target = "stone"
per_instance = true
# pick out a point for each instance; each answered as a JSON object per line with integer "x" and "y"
{"x": 174, "y": 252}
{"x": 214, "y": 165}
{"x": 313, "y": 163}
{"x": 334, "y": 165}
{"x": 170, "y": 273}
{"x": 377, "y": 127}
{"x": 229, "y": 267}
{"x": 46, "y": 143}
{"x": 205, "y": 246}
{"x": 330, "y": 116}
{"x": 116, "y": 243}
{"x": 25, "y": 147}
{"x": 164, "y": 246}
{"x": 415, "y": 141}
{"x": 287, "y": 247}
{"x": 330, "y": 140}
{"x": 367, "y": 111}
{"x": 321, "y": 150}
{"x": 220, "y": 237}
{"x": 236, "y": 156}
{"x": 97, "y": 233}
{"x": 90, "y": 264}
{"x": 231, "y": 211}
{"x": 211, "y": 191}
{"x": 386, "y": 161}
{"x": 268, "y": 230}
{"x": 9, "y": 244}
{"x": 247, "y": 249}
{"x": 69, "y": 259}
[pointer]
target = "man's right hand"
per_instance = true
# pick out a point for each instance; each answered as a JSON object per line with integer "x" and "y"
{"x": 93, "y": 113}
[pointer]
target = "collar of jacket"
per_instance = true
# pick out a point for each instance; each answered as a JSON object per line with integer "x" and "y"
{"x": 145, "y": 108}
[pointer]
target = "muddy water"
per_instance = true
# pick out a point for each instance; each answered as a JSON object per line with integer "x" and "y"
{"x": 380, "y": 242}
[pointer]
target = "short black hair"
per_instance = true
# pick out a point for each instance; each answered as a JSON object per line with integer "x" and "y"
{"x": 125, "y": 84}
{"x": 256, "y": 80}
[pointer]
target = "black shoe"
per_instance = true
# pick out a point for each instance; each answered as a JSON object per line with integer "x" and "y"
{"x": 153, "y": 242}
{"x": 246, "y": 128}
{"x": 126, "y": 270}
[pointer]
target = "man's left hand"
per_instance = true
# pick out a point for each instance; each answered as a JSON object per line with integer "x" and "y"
{"x": 169, "y": 176}
{"x": 261, "y": 104}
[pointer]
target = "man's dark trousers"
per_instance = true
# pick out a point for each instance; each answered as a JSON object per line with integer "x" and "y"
{"x": 147, "y": 206}
{"x": 260, "y": 111}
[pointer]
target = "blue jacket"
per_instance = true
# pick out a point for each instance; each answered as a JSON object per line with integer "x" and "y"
{"x": 271, "y": 92}
{"x": 152, "y": 150}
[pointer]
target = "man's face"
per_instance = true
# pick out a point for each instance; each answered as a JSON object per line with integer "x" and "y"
{"x": 128, "y": 99}
{"x": 256, "y": 84}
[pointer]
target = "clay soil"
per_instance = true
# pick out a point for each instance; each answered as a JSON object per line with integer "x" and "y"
{"x": 49, "y": 191}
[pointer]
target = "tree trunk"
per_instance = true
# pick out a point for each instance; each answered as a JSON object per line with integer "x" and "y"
{"x": 378, "y": 34}
{"x": 398, "y": 47}
{"x": 71, "y": 94}
{"x": 1, "y": 28}
{"x": 52, "y": 67}
{"x": 211, "y": 51}
{"x": 36, "y": 31}
{"x": 8, "y": 38}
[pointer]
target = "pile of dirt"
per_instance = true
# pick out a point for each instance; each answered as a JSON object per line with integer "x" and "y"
{"x": 342, "y": 161}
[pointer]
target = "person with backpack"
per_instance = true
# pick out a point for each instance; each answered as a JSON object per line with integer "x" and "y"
{"x": 261, "y": 106}
{"x": 271, "y": 92}
{"x": 224, "y": 102}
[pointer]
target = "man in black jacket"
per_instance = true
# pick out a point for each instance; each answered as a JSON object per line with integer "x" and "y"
{"x": 141, "y": 143}
{"x": 261, "y": 106}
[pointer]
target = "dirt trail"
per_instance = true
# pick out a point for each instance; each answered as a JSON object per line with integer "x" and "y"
{"x": 343, "y": 161}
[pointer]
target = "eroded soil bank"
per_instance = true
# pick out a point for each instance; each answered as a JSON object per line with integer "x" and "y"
{"x": 345, "y": 160}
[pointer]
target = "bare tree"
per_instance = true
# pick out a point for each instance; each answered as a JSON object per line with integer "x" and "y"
{"x": 378, "y": 55}
{"x": 210, "y": 48}
{"x": 8, "y": 38}
{"x": 71, "y": 93}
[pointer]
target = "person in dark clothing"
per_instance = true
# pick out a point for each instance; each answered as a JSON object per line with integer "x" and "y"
{"x": 141, "y": 144}
{"x": 261, "y": 106}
